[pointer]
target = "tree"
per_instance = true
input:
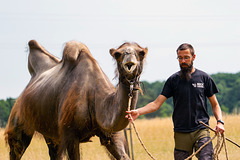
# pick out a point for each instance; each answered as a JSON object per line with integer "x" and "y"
{"x": 5, "y": 108}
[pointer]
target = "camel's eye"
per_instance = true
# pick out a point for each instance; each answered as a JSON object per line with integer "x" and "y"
{"x": 117, "y": 55}
{"x": 142, "y": 54}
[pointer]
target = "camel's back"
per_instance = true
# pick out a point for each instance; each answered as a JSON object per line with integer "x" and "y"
{"x": 77, "y": 70}
{"x": 71, "y": 83}
{"x": 78, "y": 73}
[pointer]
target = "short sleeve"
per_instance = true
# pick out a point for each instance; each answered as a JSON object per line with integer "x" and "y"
{"x": 211, "y": 87}
{"x": 167, "y": 89}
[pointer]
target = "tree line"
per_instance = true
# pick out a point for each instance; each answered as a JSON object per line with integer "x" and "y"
{"x": 228, "y": 97}
{"x": 5, "y": 109}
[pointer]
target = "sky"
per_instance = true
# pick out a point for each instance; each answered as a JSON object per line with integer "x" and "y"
{"x": 212, "y": 27}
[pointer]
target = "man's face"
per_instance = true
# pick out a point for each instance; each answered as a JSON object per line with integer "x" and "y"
{"x": 186, "y": 63}
{"x": 185, "y": 58}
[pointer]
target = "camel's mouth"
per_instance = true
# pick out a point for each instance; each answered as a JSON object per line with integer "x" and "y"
{"x": 129, "y": 67}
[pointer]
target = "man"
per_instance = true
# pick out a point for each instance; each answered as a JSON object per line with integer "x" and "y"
{"x": 190, "y": 89}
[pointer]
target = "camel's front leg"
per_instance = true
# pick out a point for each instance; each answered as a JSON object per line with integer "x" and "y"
{"x": 73, "y": 150}
{"x": 18, "y": 141}
{"x": 53, "y": 149}
{"x": 69, "y": 142}
{"x": 116, "y": 145}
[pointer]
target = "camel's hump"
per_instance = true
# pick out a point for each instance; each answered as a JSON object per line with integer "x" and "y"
{"x": 73, "y": 49}
{"x": 33, "y": 44}
{"x": 39, "y": 59}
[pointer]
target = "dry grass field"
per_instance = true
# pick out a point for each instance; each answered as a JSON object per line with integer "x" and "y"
{"x": 157, "y": 135}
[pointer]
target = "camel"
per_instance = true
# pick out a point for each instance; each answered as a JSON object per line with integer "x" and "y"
{"x": 69, "y": 101}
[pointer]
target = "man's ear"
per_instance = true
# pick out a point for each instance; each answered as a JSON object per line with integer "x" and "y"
{"x": 194, "y": 56}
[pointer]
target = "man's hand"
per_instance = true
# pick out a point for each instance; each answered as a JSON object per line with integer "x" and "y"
{"x": 219, "y": 128}
{"x": 134, "y": 115}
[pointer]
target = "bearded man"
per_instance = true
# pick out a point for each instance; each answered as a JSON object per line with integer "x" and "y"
{"x": 190, "y": 89}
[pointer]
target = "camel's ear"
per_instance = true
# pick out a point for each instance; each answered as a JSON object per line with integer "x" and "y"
{"x": 111, "y": 51}
{"x": 143, "y": 53}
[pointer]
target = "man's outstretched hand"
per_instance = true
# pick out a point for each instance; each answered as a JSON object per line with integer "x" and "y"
{"x": 134, "y": 115}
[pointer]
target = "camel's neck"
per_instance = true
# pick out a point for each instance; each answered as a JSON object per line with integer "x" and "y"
{"x": 114, "y": 107}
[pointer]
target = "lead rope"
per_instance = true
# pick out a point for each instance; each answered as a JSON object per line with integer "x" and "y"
{"x": 221, "y": 142}
{"x": 139, "y": 138}
{"x": 201, "y": 147}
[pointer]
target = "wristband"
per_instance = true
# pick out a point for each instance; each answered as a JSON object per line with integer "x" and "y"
{"x": 221, "y": 121}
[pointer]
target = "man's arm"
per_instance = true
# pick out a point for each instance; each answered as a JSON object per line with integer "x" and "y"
{"x": 217, "y": 113}
{"x": 149, "y": 108}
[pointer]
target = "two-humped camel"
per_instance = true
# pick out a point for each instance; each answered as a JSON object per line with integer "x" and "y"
{"x": 70, "y": 100}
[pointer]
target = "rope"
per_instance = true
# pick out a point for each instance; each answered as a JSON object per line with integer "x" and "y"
{"x": 225, "y": 137}
{"x": 217, "y": 149}
{"x": 220, "y": 144}
{"x": 201, "y": 148}
{"x": 225, "y": 146}
{"x": 139, "y": 138}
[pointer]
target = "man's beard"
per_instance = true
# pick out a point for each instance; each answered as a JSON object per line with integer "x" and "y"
{"x": 185, "y": 72}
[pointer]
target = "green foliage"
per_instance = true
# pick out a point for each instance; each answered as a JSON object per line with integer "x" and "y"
{"x": 229, "y": 97}
{"x": 152, "y": 90}
{"x": 229, "y": 86}
{"x": 5, "y": 108}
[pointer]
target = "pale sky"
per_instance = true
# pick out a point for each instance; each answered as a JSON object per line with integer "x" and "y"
{"x": 211, "y": 26}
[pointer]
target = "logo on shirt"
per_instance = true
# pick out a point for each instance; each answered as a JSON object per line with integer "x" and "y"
{"x": 198, "y": 85}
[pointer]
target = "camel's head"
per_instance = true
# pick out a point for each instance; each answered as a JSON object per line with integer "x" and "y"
{"x": 129, "y": 58}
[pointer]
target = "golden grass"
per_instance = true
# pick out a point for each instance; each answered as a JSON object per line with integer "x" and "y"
{"x": 156, "y": 134}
